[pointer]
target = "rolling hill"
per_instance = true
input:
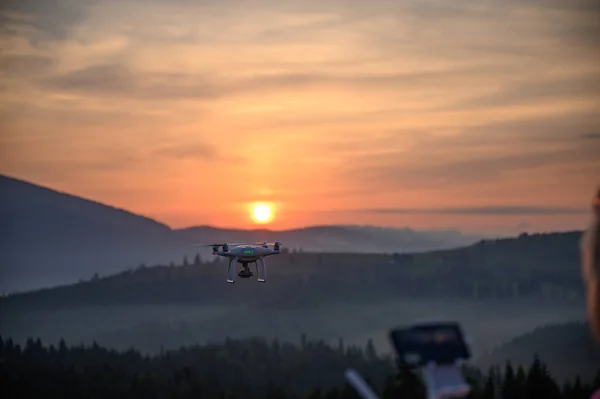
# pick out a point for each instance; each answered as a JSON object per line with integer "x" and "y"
{"x": 568, "y": 349}
{"x": 49, "y": 238}
{"x": 497, "y": 289}
{"x": 542, "y": 266}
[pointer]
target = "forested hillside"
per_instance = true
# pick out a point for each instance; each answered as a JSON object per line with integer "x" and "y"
{"x": 498, "y": 289}
{"x": 544, "y": 266}
{"x": 252, "y": 368}
{"x": 567, "y": 349}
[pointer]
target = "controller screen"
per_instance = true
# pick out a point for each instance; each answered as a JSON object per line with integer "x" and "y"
{"x": 438, "y": 343}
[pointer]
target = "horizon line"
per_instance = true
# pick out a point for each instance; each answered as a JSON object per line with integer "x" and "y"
{"x": 471, "y": 211}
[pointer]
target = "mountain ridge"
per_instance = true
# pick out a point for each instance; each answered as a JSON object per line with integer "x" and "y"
{"x": 14, "y": 180}
{"x": 562, "y": 345}
{"x": 48, "y": 237}
{"x": 12, "y": 183}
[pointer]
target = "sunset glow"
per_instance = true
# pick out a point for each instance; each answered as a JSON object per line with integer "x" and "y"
{"x": 432, "y": 115}
{"x": 262, "y": 213}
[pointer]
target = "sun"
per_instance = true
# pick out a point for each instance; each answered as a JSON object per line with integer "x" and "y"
{"x": 262, "y": 212}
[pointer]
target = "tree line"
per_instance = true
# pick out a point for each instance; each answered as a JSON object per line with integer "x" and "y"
{"x": 531, "y": 266}
{"x": 248, "y": 368}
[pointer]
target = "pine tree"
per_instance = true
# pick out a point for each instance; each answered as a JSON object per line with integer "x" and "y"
{"x": 185, "y": 261}
{"x": 510, "y": 385}
{"x": 389, "y": 388}
{"x": 278, "y": 394}
{"x": 577, "y": 391}
{"x": 474, "y": 378}
{"x": 489, "y": 390}
{"x": 551, "y": 384}
{"x": 197, "y": 260}
{"x": 409, "y": 384}
{"x": 520, "y": 379}
{"x": 348, "y": 392}
{"x": 370, "y": 351}
{"x": 315, "y": 393}
{"x": 567, "y": 390}
{"x": 79, "y": 371}
{"x": 333, "y": 394}
{"x": 539, "y": 383}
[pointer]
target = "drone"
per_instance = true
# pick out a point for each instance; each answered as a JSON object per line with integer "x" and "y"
{"x": 245, "y": 254}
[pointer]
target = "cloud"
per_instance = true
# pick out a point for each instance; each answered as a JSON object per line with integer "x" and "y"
{"x": 282, "y": 69}
{"x": 582, "y": 28}
{"x": 109, "y": 79}
{"x": 189, "y": 151}
{"x": 373, "y": 99}
{"x": 408, "y": 80}
{"x": 198, "y": 151}
{"x": 478, "y": 155}
{"x": 484, "y": 211}
{"x": 51, "y": 19}
{"x": 523, "y": 92}
{"x": 25, "y": 65}
{"x": 119, "y": 81}
{"x": 590, "y": 136}
{"x": 56, "y": 168}
{"x": 567, "y": 127}
{"x": 474, "y": 170}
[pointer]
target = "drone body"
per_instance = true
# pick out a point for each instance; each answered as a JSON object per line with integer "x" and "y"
{"x": 245, "y": 254}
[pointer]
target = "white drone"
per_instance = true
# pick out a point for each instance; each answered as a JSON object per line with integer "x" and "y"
{"x": 244, "y": 254}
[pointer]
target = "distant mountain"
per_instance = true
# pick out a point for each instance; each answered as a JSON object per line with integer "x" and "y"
{"x": 358, "y": 239}
{"x": 568, "y": 349}
{"x": 49, "y": 238}
{"x": 543, "y": 267}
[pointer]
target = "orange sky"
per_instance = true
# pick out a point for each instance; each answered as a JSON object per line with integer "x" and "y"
{"x": 185, "y": 111}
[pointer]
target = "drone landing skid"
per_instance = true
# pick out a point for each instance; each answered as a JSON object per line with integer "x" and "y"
{"x": 231, "y": 270}
{"x": 261, "y": 270}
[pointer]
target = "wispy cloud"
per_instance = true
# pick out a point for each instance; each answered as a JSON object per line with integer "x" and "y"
{"x": 591, "y": 136}
{"x": 118, "y": 81}
{"x": 482, "y": 211}
{"x": 468, "y": 174}
{"x": 530, "y": 92}
{"x": 28, "y": 65}
{"x": 337, "y": 104}
{"x": 189, "y": 151}
{"x": 48, "y": 20}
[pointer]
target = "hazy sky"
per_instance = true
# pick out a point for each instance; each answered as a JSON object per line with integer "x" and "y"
{"x": 485, "y": 113}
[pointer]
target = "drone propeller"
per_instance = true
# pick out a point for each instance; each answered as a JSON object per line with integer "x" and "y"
{"x": 217, "y": 245}
{"x": 267, "y": 243}
{"x": 276, "y": 245}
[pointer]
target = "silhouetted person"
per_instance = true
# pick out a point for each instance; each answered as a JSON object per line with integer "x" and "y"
{"x": 591, "y": 267}
{"x": 591, "y": 271}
